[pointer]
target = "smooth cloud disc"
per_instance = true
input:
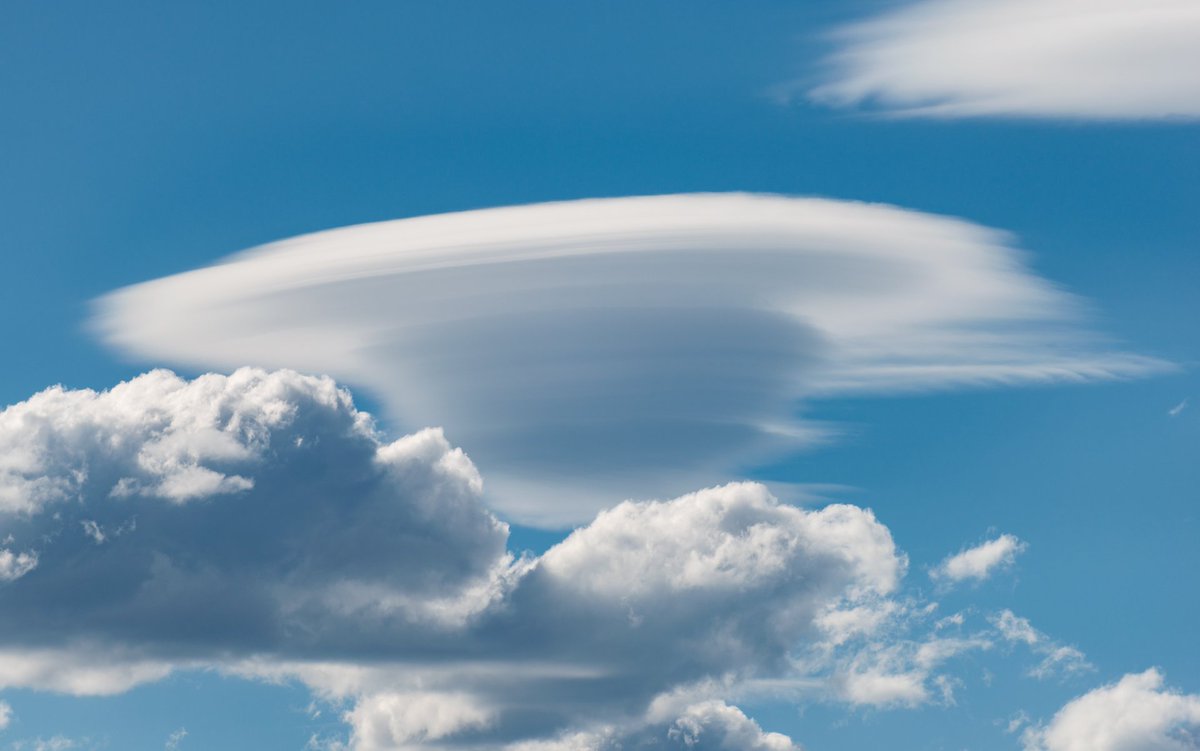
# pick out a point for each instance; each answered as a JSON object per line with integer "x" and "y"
{"x": 588, "y": 351}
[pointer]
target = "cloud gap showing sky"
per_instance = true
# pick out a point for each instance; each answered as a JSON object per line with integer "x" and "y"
{"x": 589, "y": 351}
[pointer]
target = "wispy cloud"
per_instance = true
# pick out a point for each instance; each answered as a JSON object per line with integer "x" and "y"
{"x": 594, "y": 350}
{"x": 1105, "y": 59}
{"x": 1056, "y": 659}
{"x": 1177, "y": 409}
{"x": 175, "y": 739}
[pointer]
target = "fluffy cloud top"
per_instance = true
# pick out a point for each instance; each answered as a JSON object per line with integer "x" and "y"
{"x": 372, "y": 572}
{"x": 622, "y": 348}
{"x": 254, "y": 509}
{"x": 1134, "y": 714}
{"x": 979, "y": 562}
{"x": 1107, "y": 59}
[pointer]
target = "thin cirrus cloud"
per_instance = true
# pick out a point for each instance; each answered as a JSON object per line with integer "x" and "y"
{"x": 594, "y": 350}
{"x": 1081, "y": 59}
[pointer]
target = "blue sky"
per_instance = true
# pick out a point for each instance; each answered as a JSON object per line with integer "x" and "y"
{"x": 143, "y": 141}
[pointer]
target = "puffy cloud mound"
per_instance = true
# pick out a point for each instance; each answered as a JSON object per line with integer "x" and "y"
{"x": 1134, "y": 714}
{"x": 1104, "y": 59}
{"x": 979, "y": 562}
{"x": 593, "y": 350}
{"x": 258, "y": 510}
{"x": 257, "y": 523}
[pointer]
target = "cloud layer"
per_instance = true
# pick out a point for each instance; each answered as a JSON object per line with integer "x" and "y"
{"x": 1104, "y": 59}
{"x": 636, "y": 347}
{"x": 257, "y": 523}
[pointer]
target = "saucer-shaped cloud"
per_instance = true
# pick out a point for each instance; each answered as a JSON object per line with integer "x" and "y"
{"x": 1104, "y": 59}
{"x": 636, "y": 347}
{"x": 257, "y": 524}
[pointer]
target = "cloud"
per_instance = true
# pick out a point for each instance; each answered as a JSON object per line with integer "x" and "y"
{"x": 269, "y": 514}
{"x": 175, "y": 739}
{"x": 716, "y": 725}
{"x": 1177, "y": 409}
{"x": 1101, "y": 59}
{"x": 705, "y": 726}
{"x": 1057, "y": 659}
{"x": 387, "y": 721}
{"x": 593, "y": 350}
{"x": 979, "y": 562}
{"x": 15, "y": 565}
{"x": 1134, "y": 714}
{"x": 370, "y": 571}
{"x": 5, "y": 714}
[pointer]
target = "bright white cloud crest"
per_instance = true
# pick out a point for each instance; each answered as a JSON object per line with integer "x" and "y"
{"x": 1104, "y": 59}
{"x": 594, "y": 350}
{"x": 1137, "y": 713}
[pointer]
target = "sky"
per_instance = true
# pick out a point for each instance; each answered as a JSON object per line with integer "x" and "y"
{"x": 535, "y": 376}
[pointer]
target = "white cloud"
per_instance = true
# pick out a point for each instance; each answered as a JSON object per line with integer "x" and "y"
{"x": 1015, "y": 628}
{"x": 1134, "y": 714}
{"x": 718, "y": 726}
{"x": 80, "y": 669}
{"x": 1177, "y": 409}
{"x": 5, "y": 714}
{"x": 1057, "y": 659}
{"x": 393, "y": 721}
{"x": 175, "y": 739}
{"x": 371, "y": 572}
{"x": 593, "y": 350}
{"x": 1101, "y": 59}
{"x": 894, "y": 672}
{"x": 15, "y": 565}
{"x": 979, "y": 562}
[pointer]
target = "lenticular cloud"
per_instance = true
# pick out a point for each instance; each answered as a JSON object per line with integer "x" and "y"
{"x": 594, "y": 350}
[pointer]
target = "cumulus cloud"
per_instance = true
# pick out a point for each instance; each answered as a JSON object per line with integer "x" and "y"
{"x": 717, "y": 726}
{"x": 268, "y": 513}
{"x": 1102, "y": 59}
{"x": 621, "y": 348}
{"x": 979, "y": 562}
{"x": 1137, "y": 713}
{"x": 371, "y": 571}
